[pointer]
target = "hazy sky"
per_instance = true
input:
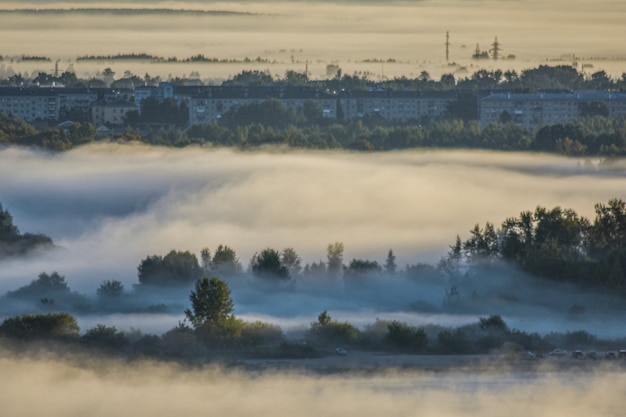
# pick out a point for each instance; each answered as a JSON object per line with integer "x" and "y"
{"x": 344, "y": 32}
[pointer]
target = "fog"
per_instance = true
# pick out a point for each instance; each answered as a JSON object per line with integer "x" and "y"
{"x": 109, "y": 206}
{"x": 290, "y": 35}
{"x": 63, "y": 389}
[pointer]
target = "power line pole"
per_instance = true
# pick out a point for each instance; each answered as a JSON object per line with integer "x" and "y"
{"x": 447, "y": 45}
{"x": 495, "y": 49}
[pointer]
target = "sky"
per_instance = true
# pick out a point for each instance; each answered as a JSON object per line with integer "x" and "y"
{"x": 297, "y": 35}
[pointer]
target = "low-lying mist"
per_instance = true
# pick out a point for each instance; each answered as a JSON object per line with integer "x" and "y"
{"x": 60, "y": 388}
{"x": 404, "y": 37}
{"x": 109, "y": 206}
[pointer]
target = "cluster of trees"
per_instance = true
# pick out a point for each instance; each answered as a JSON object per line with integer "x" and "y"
{"x": 556, "y": 244}
{"x": 544, "y": 77}
{"x": 212, "y": 330}
{"x": 16, "y": 131}
{"x": 183, "y": 268}
{"x": 13, "y": 243}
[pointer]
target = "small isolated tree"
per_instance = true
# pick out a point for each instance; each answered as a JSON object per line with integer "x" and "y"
{"x": 211, "y": 303}
{"x": 211, "y": 313}
{"x": 110, "y": 289}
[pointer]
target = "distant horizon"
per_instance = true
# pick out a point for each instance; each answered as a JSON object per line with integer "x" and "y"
{"x": 377, "y": 39}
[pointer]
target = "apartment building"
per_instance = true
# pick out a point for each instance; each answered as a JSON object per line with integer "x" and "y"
{"x": 532, "y": 111}
{"x": 30, "y": 104}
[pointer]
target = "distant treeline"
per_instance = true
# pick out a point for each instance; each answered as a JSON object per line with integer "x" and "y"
{"x": 199, "y": 58}
{"x": 129, "y": 12}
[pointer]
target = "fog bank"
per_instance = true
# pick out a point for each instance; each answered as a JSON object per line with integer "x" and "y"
{"x": 109, "y": 206}
{"x": 104, "y": 389}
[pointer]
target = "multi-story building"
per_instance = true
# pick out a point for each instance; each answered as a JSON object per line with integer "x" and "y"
{"x": 30, "y": 104}
{"x": 161, "y": 92}
{"x": 210, "y": 103}
{"x": 532, "y": 111}
{"x": 395, "y": 105}
{"x": 111, "y": 114}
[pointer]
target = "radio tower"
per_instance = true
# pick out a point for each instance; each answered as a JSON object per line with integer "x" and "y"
{"x": 447, "y": 45}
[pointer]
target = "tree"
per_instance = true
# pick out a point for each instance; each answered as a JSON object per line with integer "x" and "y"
{"x": 40, "y": 326}
{"x": 483, "y": 244}
{"x": 225, "y": 262}
{"x": 110, "y": 289}
{"x": 46, "y": 285}
{"x": 211, "y": 304}
{"x": 335, "y": 259}
{"x": 175, "y": 268}
{"x": 211, "y": 312}
{"x": 594, "y": 108}
{"x": 105, "y": 337}
{"x": 465, "y": 107}
{"x": 390, "y": 263}
{"x": 327, "y": 330}
{"x": 268, "y": 264}
{"x": 292, "y": 261}
{"x": 362, "y": 268}
{"x": 406, "y": 337}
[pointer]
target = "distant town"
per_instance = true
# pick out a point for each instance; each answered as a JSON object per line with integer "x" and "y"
{"x": 530, "y": 100}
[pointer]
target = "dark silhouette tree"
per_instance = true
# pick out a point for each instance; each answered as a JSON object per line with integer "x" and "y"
{"x": 268, "y": 264}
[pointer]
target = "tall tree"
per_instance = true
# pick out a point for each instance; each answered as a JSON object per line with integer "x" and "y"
{"x": 211, "y": 303}
{"x": 334, "y": 266}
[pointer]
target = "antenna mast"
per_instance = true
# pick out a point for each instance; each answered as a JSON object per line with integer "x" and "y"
{"x": 447, "y": 45}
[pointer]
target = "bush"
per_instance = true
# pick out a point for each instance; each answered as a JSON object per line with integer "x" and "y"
{"x": 406, "y": 337}
{"x": 40, "y": 326}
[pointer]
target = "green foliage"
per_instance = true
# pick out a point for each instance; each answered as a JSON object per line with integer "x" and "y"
{"x": 225, "y": 262}
{"x": 493, "y": 323}
{"x": 166, "y": 112}
{"x": 390, "y": 263}
{"x": 292, "y": 261}
{"x": 106, "y": 338}
{"x": 110, "y": 289}
{"x": 326, "y": 330}
{"x": 362, "y": 268}
{"x": 268, "y": 264}
{"x": 260, "y": 334}
{"x": 211, "y": 304}
{"x": 46, "y": 285}
{"x": 175, "y": 268}
{"x": 334, "y": 266}
{"x": 13, "y": 243}
{"x": 40, "y": 326}
{"x": 553, "y": 243}
{"x": 407, "y": 338}
{"x": 453, "y": 342}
